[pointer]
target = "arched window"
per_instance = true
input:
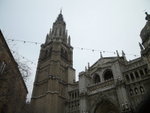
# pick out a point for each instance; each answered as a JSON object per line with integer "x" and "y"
{"x": 108, "y": 74}
{"x": 127, "y": 77}
{"x": 131, "y": 92}
{"x": 141, "y": 89}
{"x": 96, "y": 78}
{"x": 136, "y": 74}
{"x": 132, "y": 76}
{"x": 141, "y": 72}
{"x": 136, "y": 90}
{"x": 50, "y": 52}
{"x": 46, "y": 53}
{"x": 145, "y": 70}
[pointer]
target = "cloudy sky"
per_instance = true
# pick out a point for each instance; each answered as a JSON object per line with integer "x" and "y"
{"x": 103, "y": 25}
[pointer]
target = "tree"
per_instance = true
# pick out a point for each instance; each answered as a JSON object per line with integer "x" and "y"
{"x": 24, "y": 68}
{"x": 13, "y": 90}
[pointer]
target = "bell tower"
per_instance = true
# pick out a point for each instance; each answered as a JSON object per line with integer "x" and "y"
{"x": 54, "y": 71}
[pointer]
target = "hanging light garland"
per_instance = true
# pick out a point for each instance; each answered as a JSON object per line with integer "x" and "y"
{"x": 81, "y": 48}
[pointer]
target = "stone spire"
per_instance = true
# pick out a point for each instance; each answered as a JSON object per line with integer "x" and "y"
{"x": 58, "y": 31}
{"x": 69, "y": 40}
{"x": 60, "y": 16}
{"x": 124, "y": 55}
{"x": 117, "y": 53}
{"x": 141, "y": 47}
{"x": 88, "y": 65}
{"x": 101, "y": 55}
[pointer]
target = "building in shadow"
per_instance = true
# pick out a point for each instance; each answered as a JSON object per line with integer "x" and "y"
{"x": 13, "y": 90}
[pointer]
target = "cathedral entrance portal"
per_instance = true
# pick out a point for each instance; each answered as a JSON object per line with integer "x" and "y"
{"x": 105, "y": 107}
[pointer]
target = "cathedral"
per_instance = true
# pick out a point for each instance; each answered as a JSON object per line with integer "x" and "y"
{"x": 110, "y": 85}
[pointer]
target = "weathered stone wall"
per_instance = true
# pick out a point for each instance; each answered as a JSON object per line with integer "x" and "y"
{"x": 13, "y": 91}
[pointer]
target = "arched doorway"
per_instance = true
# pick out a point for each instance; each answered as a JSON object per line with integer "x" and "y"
{"x": 105, "y": 106}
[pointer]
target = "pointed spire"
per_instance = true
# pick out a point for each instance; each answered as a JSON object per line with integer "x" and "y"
{"x": 141, "y": 47}
{"x": 69, "y": 40}
{"x": 50, "y": 32}
{"x": 85, "y": 68}
{"x": 117, "y": 53}
{"x": 47, "y": 38}
{"x": 88, "y": 65}
{"x": 61, "y": 11}
{"x": 60, "y": 16}
{"x": 66, "y": 33}
{"x": 124, "y": 55}
{"x": 101, "y": 56}
{"x": 59, "y": 30}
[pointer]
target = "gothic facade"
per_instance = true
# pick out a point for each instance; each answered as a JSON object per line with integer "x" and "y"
{"x": 110, "y": 85}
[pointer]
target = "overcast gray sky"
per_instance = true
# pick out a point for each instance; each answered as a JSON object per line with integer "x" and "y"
{"x": 106, "y": 25}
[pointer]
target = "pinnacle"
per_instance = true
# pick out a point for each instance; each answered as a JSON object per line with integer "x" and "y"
{"x": 60, "y": 16}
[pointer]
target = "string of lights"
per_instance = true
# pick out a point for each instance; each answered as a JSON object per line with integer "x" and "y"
{"x": 31, "y": 62}
{"x": 81, "y": 48}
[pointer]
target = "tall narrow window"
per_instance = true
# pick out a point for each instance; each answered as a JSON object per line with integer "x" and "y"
{"x": 70, "y": 96}
{"x": 64, "y": 54}
{"x": 132, "y": 76}
{"x": 145, "y": 70}
{"x": 141, "y": 72}
{"x": 55, "y": 32}
{"x": 60, "y": 31}
{"x": 50, "y": 52}
{"x": 141, "y": 89}
{"x": 131, "y": 92}
{"x": 75, "y": 95}
{"x": 136, "y": 74}
{"x": 136, "y": 90}
{"x": 127, "y": 77}
{"x": 96, "y": 78}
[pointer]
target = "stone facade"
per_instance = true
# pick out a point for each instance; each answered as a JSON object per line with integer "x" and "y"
{"x": 114, "y": 82}
{"x": 13, "y": 90}
{"x": 110, "y": 85}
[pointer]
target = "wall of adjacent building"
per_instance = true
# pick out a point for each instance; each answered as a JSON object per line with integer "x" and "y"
{"x": 12, "y": 87}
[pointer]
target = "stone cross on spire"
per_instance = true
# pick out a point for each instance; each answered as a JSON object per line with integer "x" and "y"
{"x": 61, "y": 11}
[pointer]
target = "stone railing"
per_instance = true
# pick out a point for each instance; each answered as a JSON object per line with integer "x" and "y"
{"x": 101, "y": 85}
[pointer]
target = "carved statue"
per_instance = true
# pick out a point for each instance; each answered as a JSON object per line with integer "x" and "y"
{"x": 147, "y": 16}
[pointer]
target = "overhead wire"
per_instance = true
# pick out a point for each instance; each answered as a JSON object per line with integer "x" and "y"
{"x": 81, "y": 48}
